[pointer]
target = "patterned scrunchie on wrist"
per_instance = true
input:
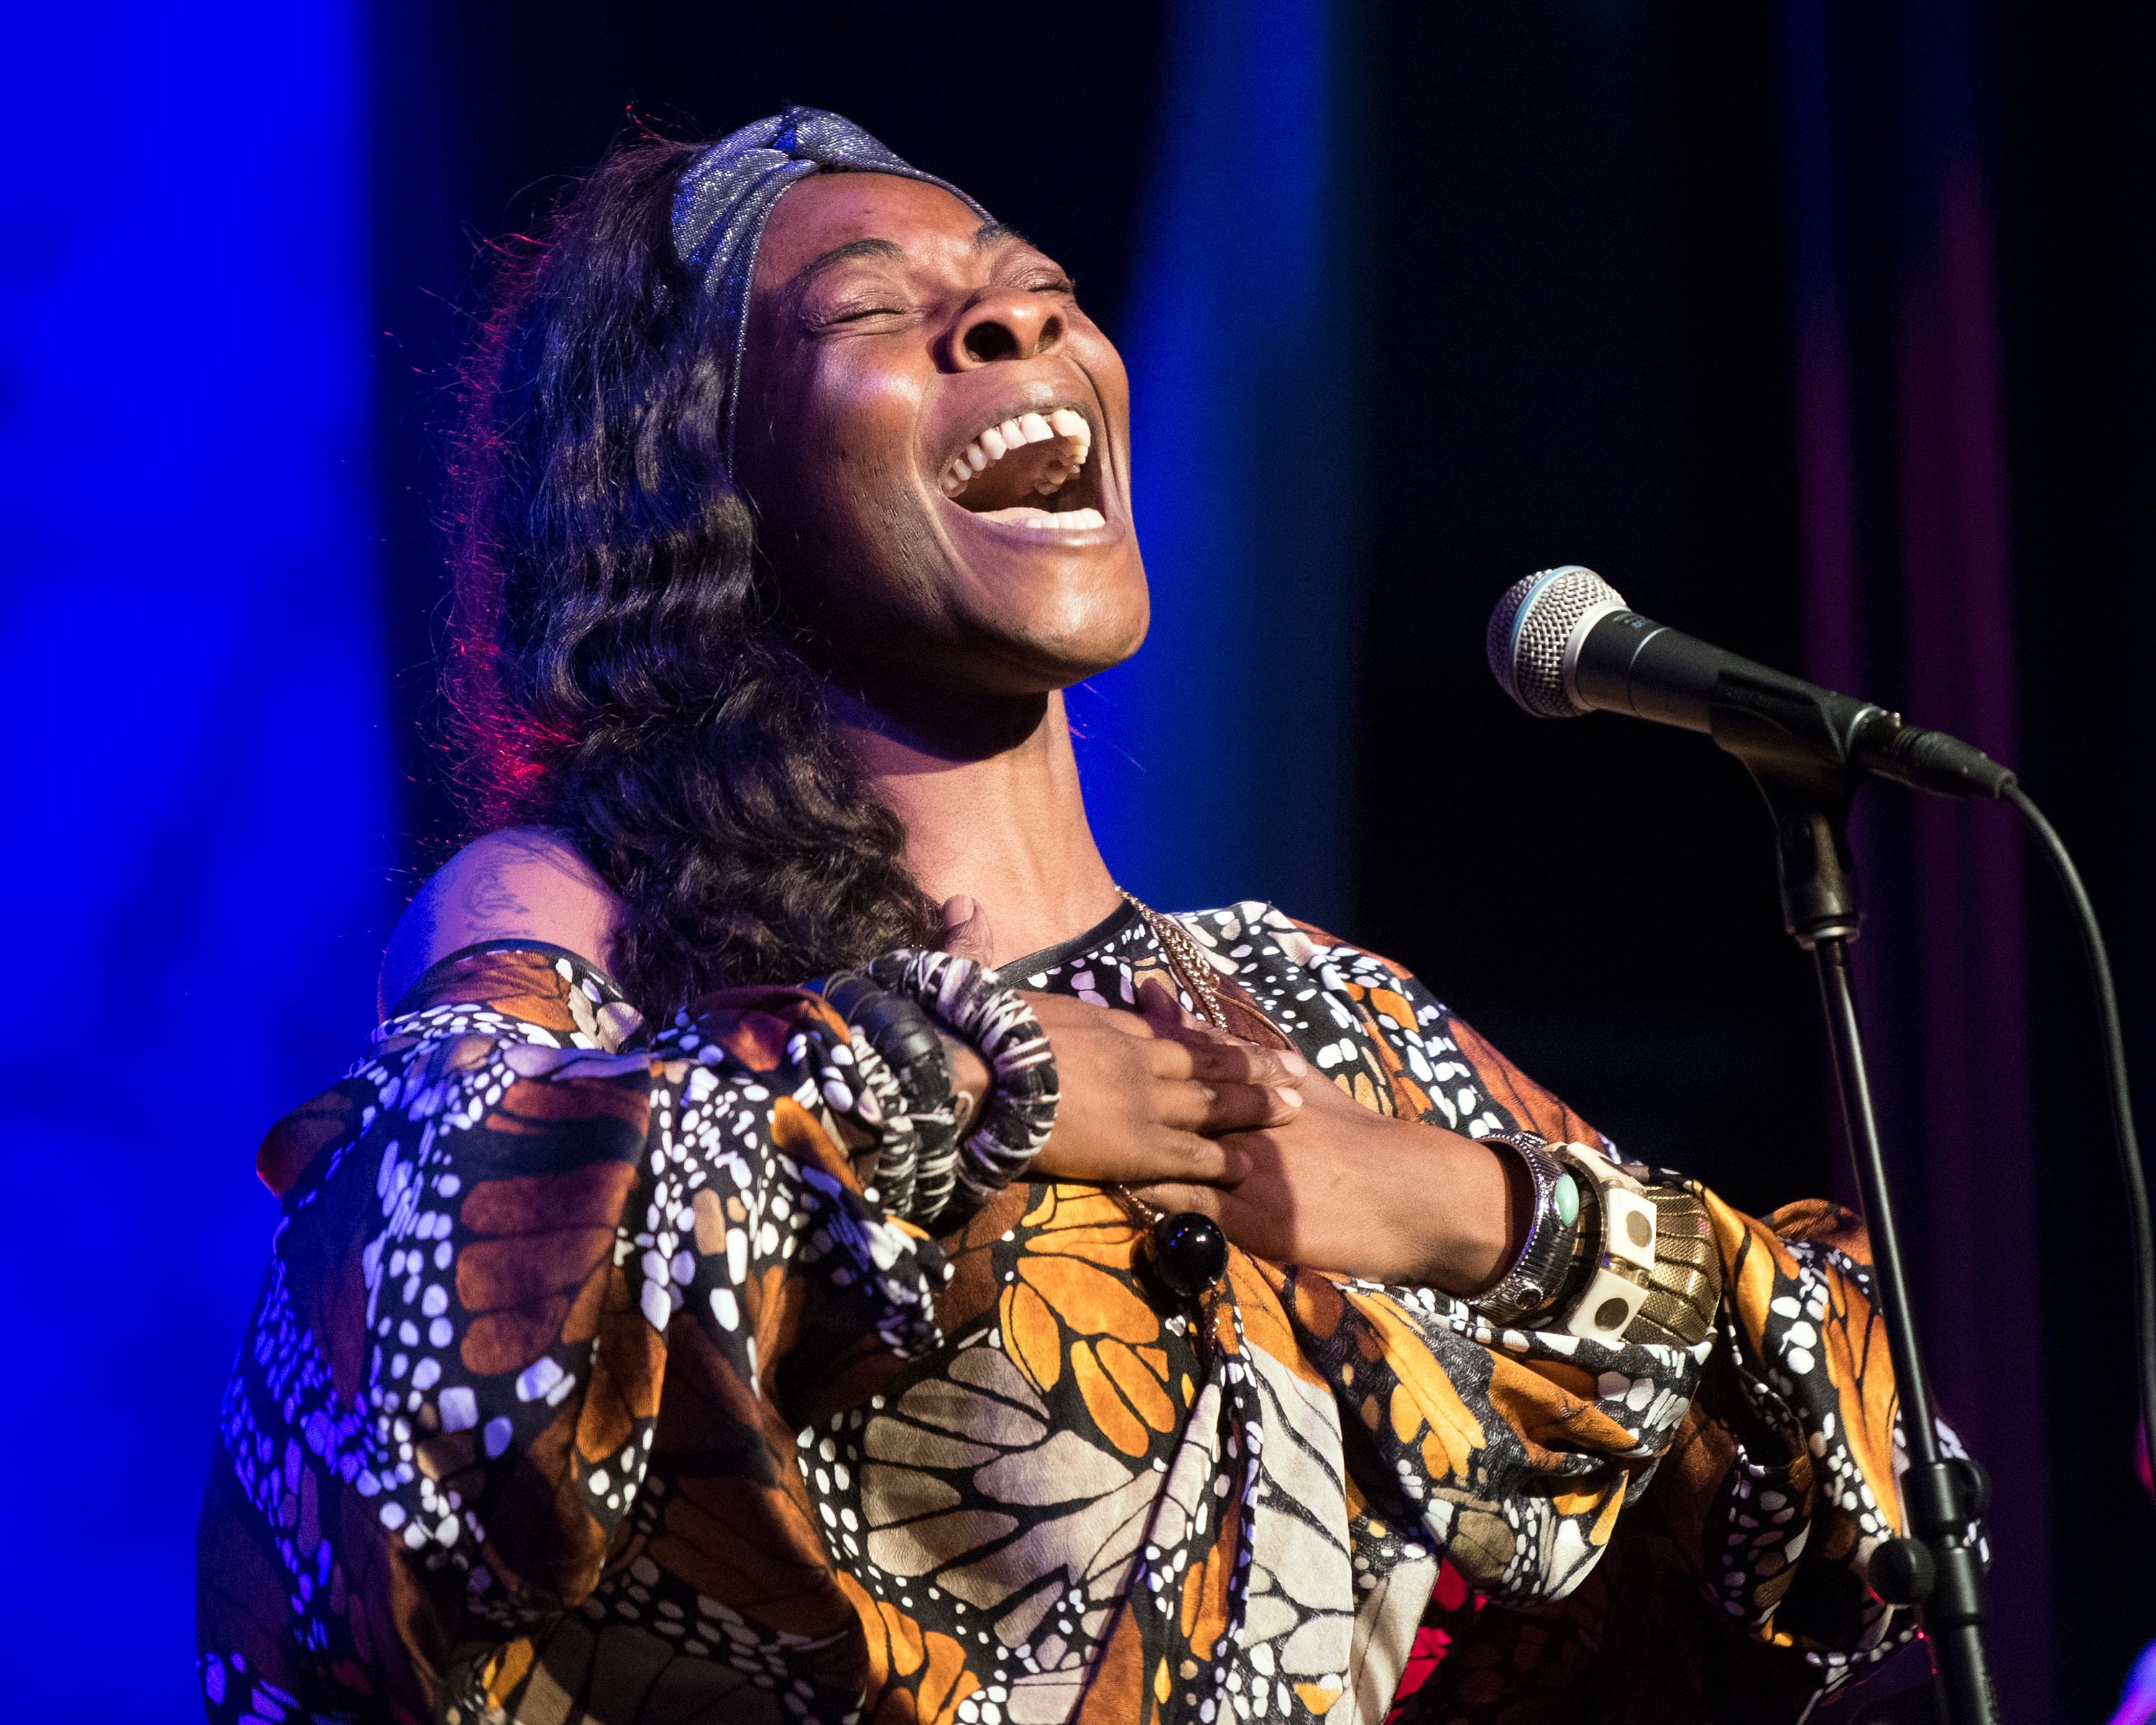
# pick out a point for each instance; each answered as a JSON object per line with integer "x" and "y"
{"x": 1020, "y": 1110}
{"x": 904, "y": 1040}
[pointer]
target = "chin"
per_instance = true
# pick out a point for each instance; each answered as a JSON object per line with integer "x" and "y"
{"x": 1052, "y": 646}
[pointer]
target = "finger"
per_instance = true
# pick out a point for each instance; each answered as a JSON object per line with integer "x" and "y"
{"x": 1127, "y": 1024}
{"x": 1172, "y": 1020}
{"x": 1185, "y": 1158}
{"x": 966, "y": 933}
{"x": 1248, "y": 1107}
{"x": 1171, "y": 1196}
{"x": 1165, "y": 1013}
{"x": 1192, "y": 1159}
{"x": 1200, "y": 1038}
{"x": 1216, "y": 1108}
{"x": 1175, "y": 1062}
{"x": 1235, "y": 1062}
{"x": 1219, "y": 1063}
{"x": 1061, "y": 1010}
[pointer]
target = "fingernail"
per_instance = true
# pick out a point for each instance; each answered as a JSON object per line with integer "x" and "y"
{"x": 1293, "y": 1098}
{"x": 958, "y": 910}
{"x": 1297, "y": 1066}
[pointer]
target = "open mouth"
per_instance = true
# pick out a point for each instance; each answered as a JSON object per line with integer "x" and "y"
{"x": 1029, "y": 470}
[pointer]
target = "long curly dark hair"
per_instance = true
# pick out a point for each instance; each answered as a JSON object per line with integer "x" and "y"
{"x": 621, "y": 667}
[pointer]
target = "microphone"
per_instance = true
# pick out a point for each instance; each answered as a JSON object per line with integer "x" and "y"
{"x": 1563, "y": 643}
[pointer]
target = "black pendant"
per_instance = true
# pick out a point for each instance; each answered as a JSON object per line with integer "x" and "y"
{"x": 1189, "y": 1252}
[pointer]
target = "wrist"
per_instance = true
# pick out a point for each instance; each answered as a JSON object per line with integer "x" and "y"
{"x": 1548, "y": 1213}
{"x": 1500, "y": 1249}
{"x": 970, "y": 1077}
{"x": 912, "y": 1170}
{"x": 1469, "y": 1242}
{"x": 1017, "y": 1103}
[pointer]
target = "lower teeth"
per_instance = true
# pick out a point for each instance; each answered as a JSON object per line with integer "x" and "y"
{"x": 1070, "y": 521}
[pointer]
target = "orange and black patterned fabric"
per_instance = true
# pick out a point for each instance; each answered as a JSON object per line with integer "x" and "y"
{"x": 589, "y": 1383}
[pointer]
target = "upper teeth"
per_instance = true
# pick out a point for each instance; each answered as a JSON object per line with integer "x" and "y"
{"x": 1075, "y": 435}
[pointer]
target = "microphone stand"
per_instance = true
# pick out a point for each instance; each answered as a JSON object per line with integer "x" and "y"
{"x": 1935, "y": 1568}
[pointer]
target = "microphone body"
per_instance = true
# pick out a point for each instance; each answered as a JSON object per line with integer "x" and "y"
{"x": 1563, "y": 643}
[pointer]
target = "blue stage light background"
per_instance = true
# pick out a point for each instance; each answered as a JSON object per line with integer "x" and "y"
{"x": 1218, "y": 762}
{"x": 198, "y": 789}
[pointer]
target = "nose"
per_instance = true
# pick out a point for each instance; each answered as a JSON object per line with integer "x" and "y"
{"x": 1006, "y": 325}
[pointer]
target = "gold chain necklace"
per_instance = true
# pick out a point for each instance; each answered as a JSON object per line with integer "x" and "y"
{"x": 1185, "y": 958}
{"x": 1188, "y": 1251}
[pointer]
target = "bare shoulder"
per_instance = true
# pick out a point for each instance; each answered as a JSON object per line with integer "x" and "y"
{"x": 521, "y": 881}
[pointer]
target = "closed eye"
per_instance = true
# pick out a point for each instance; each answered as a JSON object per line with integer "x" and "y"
{"x": 859, "y": 312}
{"x": 1049, "y": 282}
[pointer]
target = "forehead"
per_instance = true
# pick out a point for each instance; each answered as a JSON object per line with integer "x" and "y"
{"x": 828, "y": 210}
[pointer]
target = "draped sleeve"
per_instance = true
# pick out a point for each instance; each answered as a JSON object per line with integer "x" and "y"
{"x": 1600, "y": 1510}
{"x": 500, "y": 1235}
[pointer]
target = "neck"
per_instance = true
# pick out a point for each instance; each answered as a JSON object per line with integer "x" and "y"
{"x": 999, "y": 817}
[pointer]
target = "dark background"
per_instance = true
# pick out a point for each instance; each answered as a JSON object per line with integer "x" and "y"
{"x": 1820, "y": 327}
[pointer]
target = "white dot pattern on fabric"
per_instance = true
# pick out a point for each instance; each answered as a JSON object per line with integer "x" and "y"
{"x": 1004, "y": 1491}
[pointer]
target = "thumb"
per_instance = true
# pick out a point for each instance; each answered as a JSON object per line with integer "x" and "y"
{"x": 966, "y": 933}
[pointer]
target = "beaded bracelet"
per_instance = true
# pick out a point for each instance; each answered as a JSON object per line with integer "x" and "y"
{"x": 1020, "y": 1110}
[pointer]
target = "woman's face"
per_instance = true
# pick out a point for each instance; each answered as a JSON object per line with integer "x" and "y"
{"x": 894, "y": 344}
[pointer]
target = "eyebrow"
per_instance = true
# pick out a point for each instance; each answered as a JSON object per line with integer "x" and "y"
{"x": 838, "y": 254}
{"x": 990, "y": 234}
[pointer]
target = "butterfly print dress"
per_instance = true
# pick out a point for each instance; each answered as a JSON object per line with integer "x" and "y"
{"x": 588, "y": 1382}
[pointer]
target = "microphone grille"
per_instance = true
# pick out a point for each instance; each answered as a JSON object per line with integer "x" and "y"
{"x": 1528, "y": 630}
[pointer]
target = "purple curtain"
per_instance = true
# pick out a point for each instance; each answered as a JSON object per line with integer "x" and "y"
{"x": 1908, "y": 596}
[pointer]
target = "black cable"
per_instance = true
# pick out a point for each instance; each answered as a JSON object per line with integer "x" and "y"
{"x": 2121, "y": 1111}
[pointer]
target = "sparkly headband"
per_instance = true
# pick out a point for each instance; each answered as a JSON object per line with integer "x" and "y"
{"x": 728, "y": 193}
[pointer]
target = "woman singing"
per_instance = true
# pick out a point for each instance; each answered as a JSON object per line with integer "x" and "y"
{"x": 720, "y": 1295}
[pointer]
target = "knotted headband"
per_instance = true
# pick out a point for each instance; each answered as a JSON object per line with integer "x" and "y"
{"x": 727, "y": 195}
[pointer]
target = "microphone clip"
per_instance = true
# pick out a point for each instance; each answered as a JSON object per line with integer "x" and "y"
{"x": 1812, "y": 860}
